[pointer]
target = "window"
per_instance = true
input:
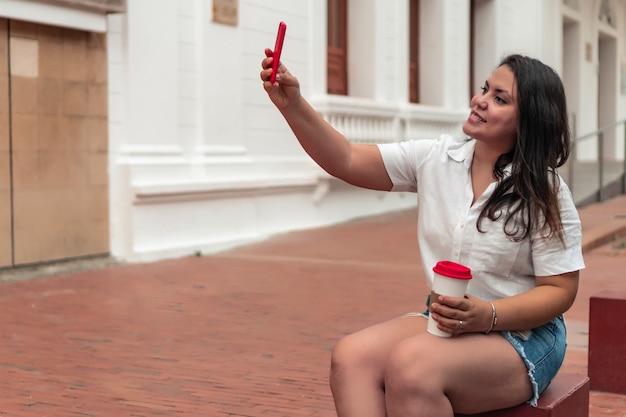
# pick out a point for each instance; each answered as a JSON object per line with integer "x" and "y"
{"x": 472, "y": 52}
{"x": 337, "y": 71}
{"x": 414, "y": 92}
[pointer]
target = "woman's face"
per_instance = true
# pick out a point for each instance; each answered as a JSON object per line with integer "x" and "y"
{"x": 493, "y": 118}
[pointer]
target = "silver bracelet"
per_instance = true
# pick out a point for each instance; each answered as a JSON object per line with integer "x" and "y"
{"x": 494, "y": 318}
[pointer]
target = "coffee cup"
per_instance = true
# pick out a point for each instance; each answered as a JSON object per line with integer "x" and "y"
{"x": 450, "y": 279}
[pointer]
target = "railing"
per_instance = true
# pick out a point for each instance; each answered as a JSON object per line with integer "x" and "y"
{"x": 611, "y": 172}
{"x": 366, "y": 121}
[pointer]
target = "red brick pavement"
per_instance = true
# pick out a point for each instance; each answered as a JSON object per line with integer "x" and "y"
{"x": 243, "y": 333}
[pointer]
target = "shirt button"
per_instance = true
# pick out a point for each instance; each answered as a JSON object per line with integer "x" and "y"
{"x": 462, "y": 225}
{"x": 455, "y": 253}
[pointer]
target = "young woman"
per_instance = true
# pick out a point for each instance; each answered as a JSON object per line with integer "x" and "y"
{"x": 494, "y": 203}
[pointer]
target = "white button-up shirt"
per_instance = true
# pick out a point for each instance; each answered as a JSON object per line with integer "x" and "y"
{"x": 439, "y": 171}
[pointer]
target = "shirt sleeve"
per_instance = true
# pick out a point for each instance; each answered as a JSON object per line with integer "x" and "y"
{"x": 550, "y": 256}
{"x": 403, "y": 159}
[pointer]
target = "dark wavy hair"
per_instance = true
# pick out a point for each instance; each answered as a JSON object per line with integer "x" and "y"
{"x": 528, "y": 198}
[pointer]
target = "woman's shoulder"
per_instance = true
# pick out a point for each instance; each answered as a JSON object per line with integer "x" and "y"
{"x": 442, "y": 142}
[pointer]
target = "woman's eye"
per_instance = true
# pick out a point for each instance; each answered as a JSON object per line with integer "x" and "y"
{"x": 500, "y": 100}
{"x": 483, "y": 89}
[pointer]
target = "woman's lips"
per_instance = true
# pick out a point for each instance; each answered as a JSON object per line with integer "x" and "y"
{"x": 475, "y": 117}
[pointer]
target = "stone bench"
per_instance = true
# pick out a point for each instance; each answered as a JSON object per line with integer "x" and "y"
{"x": 607, "y": 341}
{"x": 567, "y": 396}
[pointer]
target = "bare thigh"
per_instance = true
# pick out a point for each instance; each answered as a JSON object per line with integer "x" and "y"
{"x": 476, "y": 372}
{"x": 370, "y": 347}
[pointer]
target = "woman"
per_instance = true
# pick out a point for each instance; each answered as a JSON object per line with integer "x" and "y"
{"x": 494, "y": 203}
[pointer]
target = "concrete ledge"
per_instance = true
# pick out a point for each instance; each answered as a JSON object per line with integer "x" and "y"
{"x": 607, "y": 341}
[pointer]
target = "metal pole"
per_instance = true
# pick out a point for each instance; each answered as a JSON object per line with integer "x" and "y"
{"x": 570, "y": 172}
{"x": 600, "y": 165}
{"x": 572, "y": 159}
{"x": 624, "y": 163}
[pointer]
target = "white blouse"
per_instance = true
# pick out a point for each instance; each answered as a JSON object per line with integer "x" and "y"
{"x": 439, "y": 171}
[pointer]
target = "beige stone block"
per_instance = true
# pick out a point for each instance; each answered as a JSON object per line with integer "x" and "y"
{"x": 82, "y": 208}
{"x": 62, "y": 204}
{"x": 77, "y": 238}
{"x": 97, "y": 204}
{"x": 97, "y": 65}
{"x": 87, "y": 238}
{"x": 25, "y": 132}
{"x": 49, "y": 96}
{"x": 97, "y": 68}
{"x": 4, "y": 47}
{"x": 75, "y": 55}
{"x": 74, "y": 98}
{"x": 78, "y": 169}
{"x": 97, "y": 98}
{"x": 51, "y": 34}
{"x": 28, "y": 207}
{"x": 98, "y": 169}
{"x": 76, "y": 132}
{"x": 96, "y": 42}
{"x": 51, "y": 62}
{"x": 26, "y": 245}
{"x": 50, "y": 137}
{"x": 26, "y": 170}
{"x": 24, "y": 57}
{"x": 100, "y": 237}
{"x": 23, "y": 95}
{"x": 23, "y": 29}
{"x": 5, "y": 175}
{"x": 97, "y": 134}
{"x": 4, "y": 93}
{"x": 52, "y": 242}
{"x": 6, "y": 246}
{"x": 53, "y": 169}
{"x": 4, "y": 133}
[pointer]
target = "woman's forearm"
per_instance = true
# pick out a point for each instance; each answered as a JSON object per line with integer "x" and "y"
{"x": 550, "y": 298}
{"x": 328, "y": 147}
{"x": 357, "y": 164}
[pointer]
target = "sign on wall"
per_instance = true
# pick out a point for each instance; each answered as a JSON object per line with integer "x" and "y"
{"x": 225, "y": 11}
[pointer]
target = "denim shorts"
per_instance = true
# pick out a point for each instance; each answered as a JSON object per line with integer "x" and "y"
{"x": 542, "y": 349}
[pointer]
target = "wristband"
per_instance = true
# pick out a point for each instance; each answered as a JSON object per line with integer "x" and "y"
{"x": 494, "y": 318}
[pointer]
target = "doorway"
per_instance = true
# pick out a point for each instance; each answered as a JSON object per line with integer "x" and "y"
{"x": 53, "y": 144}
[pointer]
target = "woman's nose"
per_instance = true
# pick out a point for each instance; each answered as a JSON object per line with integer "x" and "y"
{"x": 479, "y": 101}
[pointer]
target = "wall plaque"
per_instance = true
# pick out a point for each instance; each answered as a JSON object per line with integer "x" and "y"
{"x": 226, "y": 11}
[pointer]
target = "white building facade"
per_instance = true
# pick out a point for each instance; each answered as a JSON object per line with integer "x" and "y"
{"x": 200, "y": 161}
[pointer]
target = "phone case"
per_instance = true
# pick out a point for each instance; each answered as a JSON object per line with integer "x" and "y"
{"x": 278, "y": 48}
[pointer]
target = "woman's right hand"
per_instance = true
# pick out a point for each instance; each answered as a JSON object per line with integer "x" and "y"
{"x": 286, "y": 89}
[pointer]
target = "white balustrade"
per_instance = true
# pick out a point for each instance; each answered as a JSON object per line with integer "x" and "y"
{"x": 363, "y": 121}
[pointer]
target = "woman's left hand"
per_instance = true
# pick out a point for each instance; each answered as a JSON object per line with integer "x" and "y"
{"x": 456, "y": 315}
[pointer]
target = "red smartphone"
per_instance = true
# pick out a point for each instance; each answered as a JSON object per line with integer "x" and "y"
{"x": 278, "y": 48}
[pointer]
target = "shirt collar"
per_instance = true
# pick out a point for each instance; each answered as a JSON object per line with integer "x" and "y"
{"x": 463, "y": 151}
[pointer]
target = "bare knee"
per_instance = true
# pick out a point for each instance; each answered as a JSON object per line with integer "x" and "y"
{"x": 413, "y": 381}
{"x": 410, "y": 371}
{"x": 347, "y": 354}
{"x": 352, "y": 357}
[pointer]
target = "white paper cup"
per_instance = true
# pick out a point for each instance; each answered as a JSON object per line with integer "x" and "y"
{"x": 450, "y": 279}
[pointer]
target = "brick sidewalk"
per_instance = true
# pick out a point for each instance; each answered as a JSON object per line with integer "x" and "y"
{"x": 243, "y": 333}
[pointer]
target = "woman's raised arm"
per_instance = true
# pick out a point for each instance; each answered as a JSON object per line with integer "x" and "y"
{"x": 357, "y": 164}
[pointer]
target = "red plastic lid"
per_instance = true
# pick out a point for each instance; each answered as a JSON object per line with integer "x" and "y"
{"x": 453, "y": 270}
